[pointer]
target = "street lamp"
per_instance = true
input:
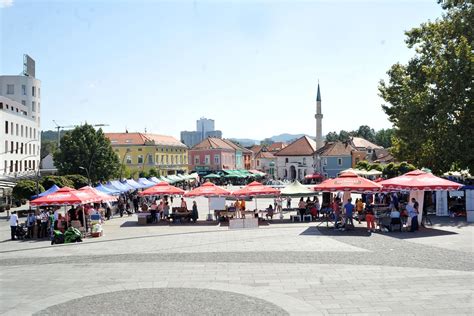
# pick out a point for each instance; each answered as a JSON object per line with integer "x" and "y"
{"x": 87, "y": 172}
{"x": 123, "y": 159}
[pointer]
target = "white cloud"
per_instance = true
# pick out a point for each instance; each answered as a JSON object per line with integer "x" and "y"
{"x": 6, "y": 3}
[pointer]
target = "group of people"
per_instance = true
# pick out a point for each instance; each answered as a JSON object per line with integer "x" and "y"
{"x": 160, "y": 209}
{"x": 343, "y": 213}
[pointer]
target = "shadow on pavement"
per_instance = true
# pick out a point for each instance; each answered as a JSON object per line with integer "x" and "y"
{"x": 421, "y": 233}
{"x": 163, "y": 223}
{"x": 330, "y": 231}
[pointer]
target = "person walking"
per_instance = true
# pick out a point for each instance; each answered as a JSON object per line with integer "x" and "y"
{"x": 135, "y": 203}
{"x": 288, "y": 202}
{"x": 194, "y": 212}
{"x": 302, "y": 207}
{"x": 13, "y": 224}
{"x": 30, "y": 224}
{"x": 359, "y": 208}
{"x": 412, "y": 209}
{"x": 349, "y": 210}
{"x": 369, "y": 217}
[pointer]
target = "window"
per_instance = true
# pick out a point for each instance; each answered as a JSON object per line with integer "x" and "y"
{"x": 216, "y": 159}
{"x": 128, "y": 159}
{"x": 304, "y": 161}
{"x": 16, "y": 150}
{"x": 185, "y": 159}
{"x": 1, "y": 105}
{"x": 339, "y": 161}
{"x": 196, "y": 160}
{"x": 21, "y": 130}
{"x": 11, "y": 128}
{"x": 23, "y": 89}
{"x": 10, "y": 89}
{"x": 5, "y": 167}
{"x": 162, "y": 159}
{"x": 258, "y": 163}
{"x": 150, "y": 159}
{"x": 11, "y": 147}
{"x": 140, "y": 149}
{"x": 33, "y": 106}
{"x": 6, "y": 146}
{"x": 21, "y": 149}
{"x": 17, "y": 130}
{"x": 6, "y": 127}
{"x": 286, "y": 160}
{"x": 325, "y": 161}
{"x": 39, "y": 93}
{"x": 207, "y": 159}
{"x": 140, "y": 159}
{"x": 167, "y": 162}
{"x": 172, "y": 159}
{"x": 33, "y": 91}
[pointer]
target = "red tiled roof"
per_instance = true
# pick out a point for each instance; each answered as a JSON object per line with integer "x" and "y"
{"x": 276, "y": 146}
{"x": 213, "y": 143}
{"x": 303, "y": 146}
{"x": 265, "y": 155}
{"x": 335, "y": 149}
{"x": 143, "y": 139}
{"x": 256, "y": 148}
{"x": 235, "y": 146}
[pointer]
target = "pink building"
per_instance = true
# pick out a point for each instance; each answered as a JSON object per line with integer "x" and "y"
{"x": 211, "y": 154}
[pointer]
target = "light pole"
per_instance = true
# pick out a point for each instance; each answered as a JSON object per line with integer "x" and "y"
{"x": 123, "y": 159}
{"x": 88, "y": 176}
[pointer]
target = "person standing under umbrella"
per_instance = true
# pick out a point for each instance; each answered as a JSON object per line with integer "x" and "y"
{"x": 412, "y": 209}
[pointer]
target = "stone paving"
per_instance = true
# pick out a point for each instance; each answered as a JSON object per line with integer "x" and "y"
{"x": 297, "y": 269}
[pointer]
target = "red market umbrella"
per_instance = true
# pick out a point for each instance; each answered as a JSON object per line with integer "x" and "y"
{"x": 64, "y": 196}
{"x": 349, "y": 182}
{"x": 98, "y": 195}
{"x": 162, "y": 188}
{"x": 255, "y": 189}
{"x": 207, "y": 189}
{"x": 418, "y": 180}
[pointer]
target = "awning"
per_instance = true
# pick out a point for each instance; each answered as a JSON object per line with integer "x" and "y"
{"x": 52, "y": 189}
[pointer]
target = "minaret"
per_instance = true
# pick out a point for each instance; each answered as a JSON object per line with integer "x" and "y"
{"x": 319, "y": 121}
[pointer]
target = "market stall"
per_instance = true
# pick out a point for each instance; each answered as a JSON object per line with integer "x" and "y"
{"x": 417, "y": 182}
{"x": 255, "y": 190}
{"x": 208, "y": 190}
{"x": 160, "y": 189}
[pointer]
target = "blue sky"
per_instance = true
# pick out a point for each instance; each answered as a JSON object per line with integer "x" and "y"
{"x": 251, "y": 66}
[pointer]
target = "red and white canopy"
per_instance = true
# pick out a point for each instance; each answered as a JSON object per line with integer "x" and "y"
{"x": 64, "y": 196}
{"x": 350, "y": 182}
{"x": 255, "y": 189}
{"x": 207, "y": 189}
{"x": 162, "y": 188}
{"x": 418, "y": 180}
{"x": 98, "y": 195}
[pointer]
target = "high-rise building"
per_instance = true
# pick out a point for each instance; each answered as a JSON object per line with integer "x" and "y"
{"x": 20, "y": 107}
{"x": 204, "y": 129}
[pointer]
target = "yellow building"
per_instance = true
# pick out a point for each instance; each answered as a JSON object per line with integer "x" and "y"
{"x": 142, "y": 152}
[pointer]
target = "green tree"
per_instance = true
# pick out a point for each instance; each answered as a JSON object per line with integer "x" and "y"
{"x": 332, "y": 137}
{"x": 48, "y": 147}
{"x": 153, "y": 172}
{"x": 25, "y": 189}
{"x": 60, "y": 181}
{"x": 429, "y": 100}
{"x": 84, "y": 150}
{"x": 78, "y": 180}
{"x": 383, "y": 137}
{"x": 344, "y": 136}
{"x": 365, "y": 132}
{"x": 365, "y": 165}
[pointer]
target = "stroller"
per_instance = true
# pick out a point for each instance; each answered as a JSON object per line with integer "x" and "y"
{"x": 21, "y": 232}
{"x": 71, "y": 235}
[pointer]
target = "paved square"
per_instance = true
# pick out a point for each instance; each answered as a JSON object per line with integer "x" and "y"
{"x": 277, "y": 269}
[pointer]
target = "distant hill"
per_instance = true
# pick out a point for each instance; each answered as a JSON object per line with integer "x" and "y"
{"x": 245, "y": 142}
{"x": 286, "y": 138}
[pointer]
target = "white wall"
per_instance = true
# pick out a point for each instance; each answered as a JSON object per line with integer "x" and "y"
{"x": 18, "y": 95}
{"x": 31, "y": 142}
{"x": 297, "y": 162}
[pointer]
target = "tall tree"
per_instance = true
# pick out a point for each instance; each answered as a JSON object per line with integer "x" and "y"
{"x": 87, "y": 151}
{"x": 383, "y": 137}
{"x": 332, "y": 137}
{"x": 365, "y": 132}
{"x": 429, "y": 100}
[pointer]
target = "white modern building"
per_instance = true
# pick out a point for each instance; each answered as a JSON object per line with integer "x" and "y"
{"x": 20, "y": 106}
